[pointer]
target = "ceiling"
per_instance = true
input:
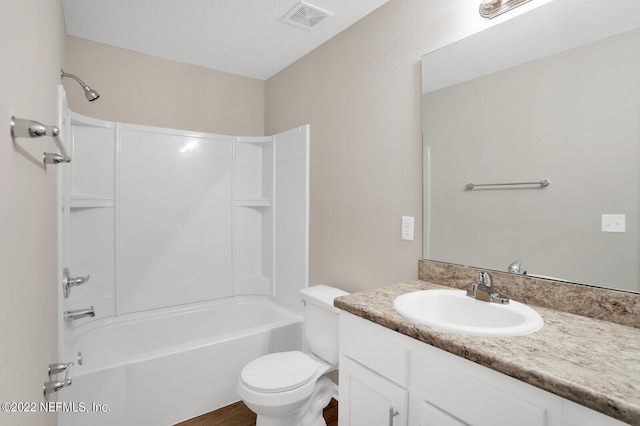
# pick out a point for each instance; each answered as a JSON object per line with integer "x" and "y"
{"x": 243, "y": 37}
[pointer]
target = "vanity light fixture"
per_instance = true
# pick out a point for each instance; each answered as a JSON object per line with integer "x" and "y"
{"x": 492, "y": 8}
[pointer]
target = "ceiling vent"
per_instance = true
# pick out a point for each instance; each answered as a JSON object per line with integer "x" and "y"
{"x": 304, "y": 15}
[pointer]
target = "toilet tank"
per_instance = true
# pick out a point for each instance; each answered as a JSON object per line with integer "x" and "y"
{"x": 321, "y": 321}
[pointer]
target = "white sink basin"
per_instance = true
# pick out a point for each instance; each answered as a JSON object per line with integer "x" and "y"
{"x": 453, "y": 310}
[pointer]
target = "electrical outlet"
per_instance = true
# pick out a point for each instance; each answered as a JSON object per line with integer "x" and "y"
{"x": 407, "y": 228}
{"x": 613, "y": 223}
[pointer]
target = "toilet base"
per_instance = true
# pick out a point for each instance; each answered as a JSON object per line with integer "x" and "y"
{"x": 310, "y": 414}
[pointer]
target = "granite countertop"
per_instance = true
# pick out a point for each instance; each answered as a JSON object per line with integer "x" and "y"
{"x": 592, "y": 362}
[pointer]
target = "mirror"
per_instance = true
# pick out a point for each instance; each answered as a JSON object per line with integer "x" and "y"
{"x": 552, "y": 94}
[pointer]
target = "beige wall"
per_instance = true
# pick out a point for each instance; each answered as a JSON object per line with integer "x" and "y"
{"x": 143, "y": 89}
{"x": 31, "y": 41}
{"x": 360, "y": 92}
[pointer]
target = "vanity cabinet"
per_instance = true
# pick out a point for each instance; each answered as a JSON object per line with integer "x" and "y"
{"x": 382, "y": 370}
{"x": 577, "y": 415}
{"x": 373, "y": 399}
{"x": 465, "y": 393}
{"x": 374, "y": 378}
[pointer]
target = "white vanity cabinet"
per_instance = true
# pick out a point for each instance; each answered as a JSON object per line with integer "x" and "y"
{"x": 373, "y": 399}
{"x": 374, "y": 376}
{"x": 466, "y": 393}
{"x": 387, "y": 378}
{"x": 577, "y": 415}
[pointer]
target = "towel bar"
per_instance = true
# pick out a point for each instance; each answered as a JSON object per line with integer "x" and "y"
{"x": 543, "y": 184}
{"x": 22, "y": 128}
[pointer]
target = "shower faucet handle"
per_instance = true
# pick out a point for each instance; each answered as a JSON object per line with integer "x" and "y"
{"x": 68, "y": 281}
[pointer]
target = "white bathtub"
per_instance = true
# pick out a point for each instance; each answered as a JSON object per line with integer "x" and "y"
{"x": 165, "y": 366}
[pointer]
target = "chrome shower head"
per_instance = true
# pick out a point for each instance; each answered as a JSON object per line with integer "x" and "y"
{"x": 89, "y": 93}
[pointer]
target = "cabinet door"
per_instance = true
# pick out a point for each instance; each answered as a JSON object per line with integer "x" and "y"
{"x": 367, "y": 398}
{"x": 479, "y": 397}
{"x": 578, "y": 415}
{"x": 431, "y": 416}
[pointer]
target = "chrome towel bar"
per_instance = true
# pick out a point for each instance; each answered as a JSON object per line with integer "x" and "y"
{"x": 55, "y": 385}
{"x": 22, "y": 128}
{"x": 543, "y": 184}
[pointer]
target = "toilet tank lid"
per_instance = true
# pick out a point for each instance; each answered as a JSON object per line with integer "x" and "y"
{"x": 321, "y": 294}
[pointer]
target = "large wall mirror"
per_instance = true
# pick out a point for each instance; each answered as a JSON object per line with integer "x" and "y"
{"x": 552, "y": 94}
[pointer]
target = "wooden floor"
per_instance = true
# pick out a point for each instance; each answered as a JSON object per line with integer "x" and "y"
{"x": 239, "y": 415}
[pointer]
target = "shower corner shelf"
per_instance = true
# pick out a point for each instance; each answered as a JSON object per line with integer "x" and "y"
{"x": 253, "y": 202}
{"x": 85, "y": 201}
{"x": 254, "y": 139}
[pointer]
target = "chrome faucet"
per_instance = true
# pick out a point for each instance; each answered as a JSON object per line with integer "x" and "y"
{"x": 484, "y": 290}
{"x": 515, "y": 267}
{"x": 68, "y": 281}
{"x": 79, "y": 313}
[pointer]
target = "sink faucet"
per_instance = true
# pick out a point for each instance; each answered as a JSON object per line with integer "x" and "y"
{"x": 515, "y": 267}
{"x": 79, "y": 313}
{"x": 484, "y": 290}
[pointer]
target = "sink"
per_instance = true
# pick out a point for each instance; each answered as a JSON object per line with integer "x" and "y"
{"x": 453, "y": 310}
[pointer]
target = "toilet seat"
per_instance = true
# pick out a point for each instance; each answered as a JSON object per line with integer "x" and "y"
{"x": 279, "y": 372}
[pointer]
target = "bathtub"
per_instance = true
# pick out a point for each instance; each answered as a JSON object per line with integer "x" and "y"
{"x": 164, "y": 366}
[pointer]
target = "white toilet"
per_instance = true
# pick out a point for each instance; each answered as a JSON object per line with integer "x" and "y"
{"x": 288, "y": 388}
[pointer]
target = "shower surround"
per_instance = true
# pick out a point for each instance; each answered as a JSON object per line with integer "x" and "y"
{"x": 195, "y": 243}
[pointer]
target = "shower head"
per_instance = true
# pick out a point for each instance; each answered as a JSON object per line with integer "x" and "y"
{"x": 89, "y": 93}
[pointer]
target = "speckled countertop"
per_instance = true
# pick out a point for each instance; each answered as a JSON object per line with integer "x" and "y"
{"x": 592, "y": 362}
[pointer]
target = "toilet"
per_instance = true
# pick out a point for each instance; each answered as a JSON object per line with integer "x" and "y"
{"x": 289, "y": 388}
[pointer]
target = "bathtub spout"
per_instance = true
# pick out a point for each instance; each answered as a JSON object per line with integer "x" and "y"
{"x": 79, "y": 313}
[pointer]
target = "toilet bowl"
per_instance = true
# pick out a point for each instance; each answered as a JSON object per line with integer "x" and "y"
{"x": 289, "y": 388}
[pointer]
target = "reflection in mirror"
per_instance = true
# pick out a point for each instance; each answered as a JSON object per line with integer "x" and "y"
{"x": 572, "y": 117}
